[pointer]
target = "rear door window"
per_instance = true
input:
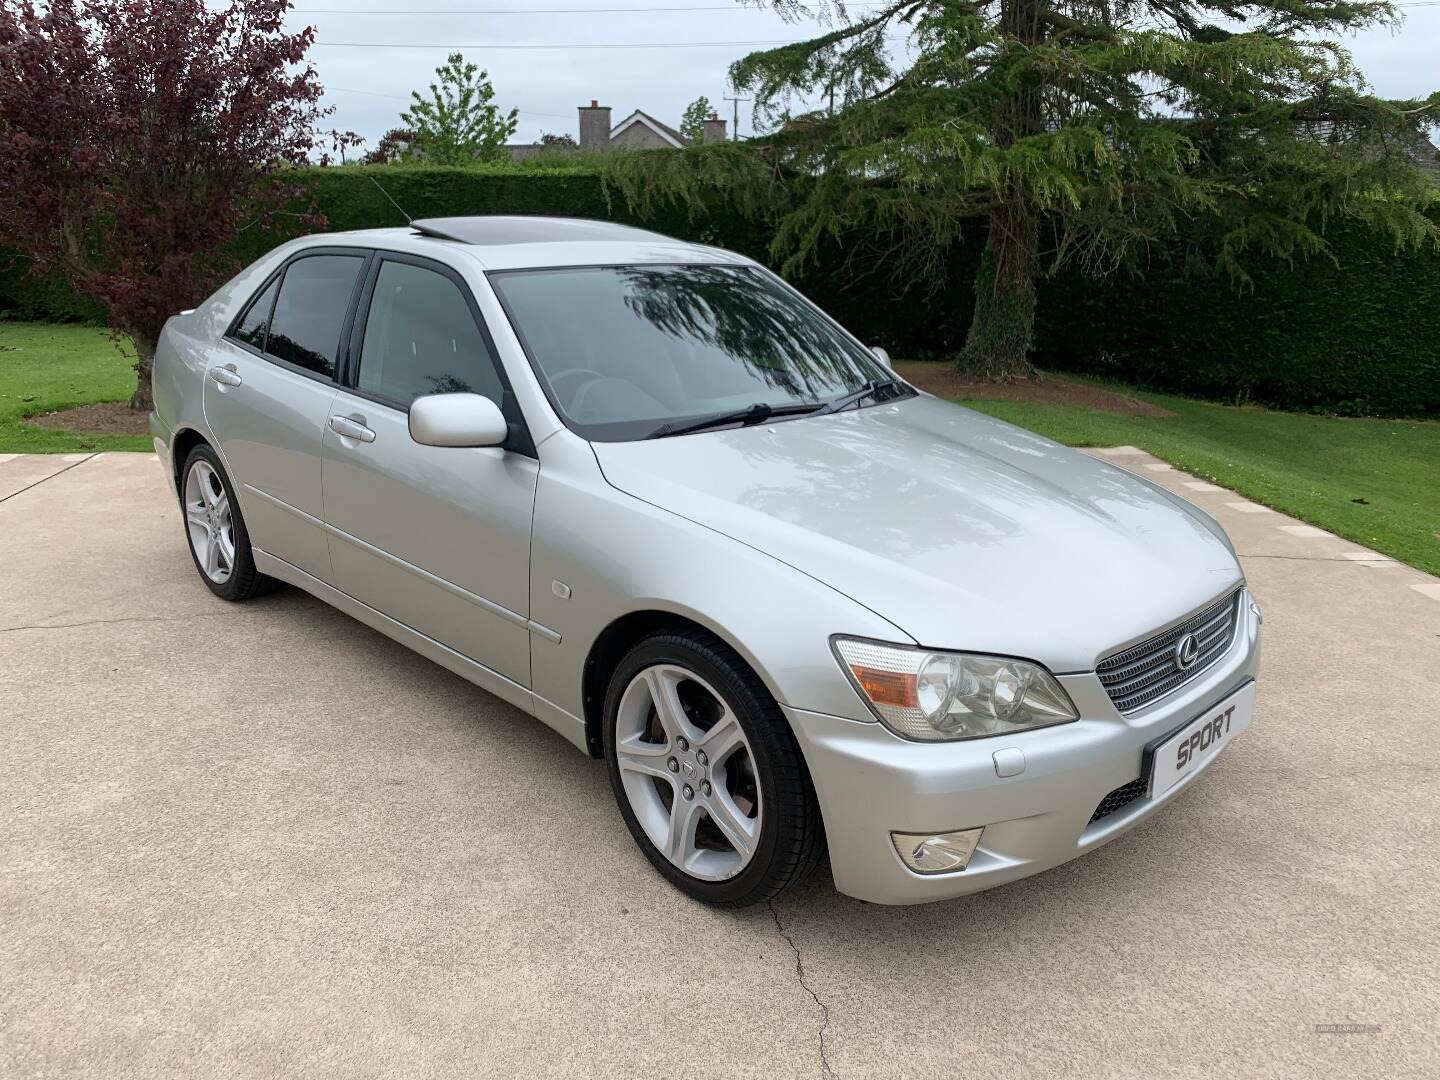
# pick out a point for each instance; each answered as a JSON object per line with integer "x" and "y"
{"x": 256, "y": 320}
{"x": 310, "y": 311}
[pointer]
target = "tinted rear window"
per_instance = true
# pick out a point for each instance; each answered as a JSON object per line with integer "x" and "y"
{"x": 314, "y": 296}
{"x": 252, "y": 327}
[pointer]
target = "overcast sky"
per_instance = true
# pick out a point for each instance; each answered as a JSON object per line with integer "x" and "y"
{"x": 371, "y": 53}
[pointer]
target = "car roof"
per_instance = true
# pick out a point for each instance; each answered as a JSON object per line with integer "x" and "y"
{"x": 510, "y": 242}
{"x": 519, "y": 229}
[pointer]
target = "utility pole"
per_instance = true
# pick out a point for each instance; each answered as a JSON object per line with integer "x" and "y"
{"x": 735, "y": 131}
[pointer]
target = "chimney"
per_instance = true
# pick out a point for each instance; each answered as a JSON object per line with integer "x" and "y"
{"x": 594, "y": 126}
{"x": 714, "y": 129}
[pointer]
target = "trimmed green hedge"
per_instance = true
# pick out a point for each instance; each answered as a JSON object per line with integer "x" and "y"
{"x": 1362, "y": 336}
{"x": 1359, "y": 334}
{"x": 45, "y": 299}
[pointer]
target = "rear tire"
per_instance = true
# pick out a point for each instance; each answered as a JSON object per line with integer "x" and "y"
{"x": 215, "y": 530}
{"x": 712, "y": 785}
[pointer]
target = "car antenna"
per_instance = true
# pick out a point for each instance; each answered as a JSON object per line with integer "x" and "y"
{"x": 407, "y": 217}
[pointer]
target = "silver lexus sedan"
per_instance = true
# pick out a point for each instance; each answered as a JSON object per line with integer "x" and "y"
{"x": 648, "y": 493}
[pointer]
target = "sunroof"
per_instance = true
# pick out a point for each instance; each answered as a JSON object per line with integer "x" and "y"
{"x": 526, "y": 230}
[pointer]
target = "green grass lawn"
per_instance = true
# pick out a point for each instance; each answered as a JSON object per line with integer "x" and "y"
{"x": 1376, "y": 482}
{"x": 45, "y": 367}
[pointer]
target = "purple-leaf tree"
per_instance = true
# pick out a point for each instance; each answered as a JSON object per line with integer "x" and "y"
{"x": 139, "y": 137}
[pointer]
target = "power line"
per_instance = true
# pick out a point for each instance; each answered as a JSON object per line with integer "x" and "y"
{"x": 508, "y": 11}
{"x": 367, "y": 93}
{"x": 607, "y": 11}
{"x": 531, "y": 11}
{"x": 406, "y": 97}
{"x": 554, "y": 45}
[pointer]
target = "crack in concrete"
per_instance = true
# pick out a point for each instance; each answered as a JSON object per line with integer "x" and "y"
{"x": 37, "y": 483}
{"x": 800, "y": 974}
{"x": 110, "y": 622}
{"x": 148, "y": 586}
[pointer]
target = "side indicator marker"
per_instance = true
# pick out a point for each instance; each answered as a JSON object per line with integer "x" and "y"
{"x": 560, "y": 589}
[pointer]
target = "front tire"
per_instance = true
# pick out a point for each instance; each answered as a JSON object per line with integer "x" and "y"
{"x": 215, "y": 531}
{"x": 707, "y": 773}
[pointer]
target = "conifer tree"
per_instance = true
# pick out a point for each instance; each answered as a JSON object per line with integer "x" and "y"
{"x": 1078, "y": 131}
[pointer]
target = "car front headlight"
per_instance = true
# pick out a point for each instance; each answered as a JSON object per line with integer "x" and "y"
{"x": 943, "y": 696}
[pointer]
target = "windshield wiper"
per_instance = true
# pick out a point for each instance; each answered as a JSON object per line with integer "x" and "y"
{"x": 752, "y": 414}
{"x": 870, "y": 389}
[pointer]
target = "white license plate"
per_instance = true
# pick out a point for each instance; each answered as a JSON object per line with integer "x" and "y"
{"x": 1190, "y": 748}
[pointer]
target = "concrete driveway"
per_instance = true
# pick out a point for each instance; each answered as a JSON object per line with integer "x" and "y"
{"x": 263, "y": 840}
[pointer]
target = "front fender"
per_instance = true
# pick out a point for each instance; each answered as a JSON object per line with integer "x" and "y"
{"x": 599, "y": 554}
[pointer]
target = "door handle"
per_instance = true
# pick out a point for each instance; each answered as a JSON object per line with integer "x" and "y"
{"x": 225, "y": 376}
{"x": 351, "y": 429}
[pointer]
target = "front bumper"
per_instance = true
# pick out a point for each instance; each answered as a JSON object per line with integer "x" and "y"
{"x": 870, "y": 783}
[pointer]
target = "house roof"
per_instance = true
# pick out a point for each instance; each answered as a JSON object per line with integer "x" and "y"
{"x": 1423, "y": 152}
{"x": 665, "y": 131}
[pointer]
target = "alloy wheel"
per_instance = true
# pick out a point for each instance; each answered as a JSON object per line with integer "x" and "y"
{"x": 688, "y": 772}
{"x": 209, "y": 521}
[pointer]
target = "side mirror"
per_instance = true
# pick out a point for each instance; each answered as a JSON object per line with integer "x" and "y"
{"x": 883, "y": 357}
{"x": 457, "y": 420}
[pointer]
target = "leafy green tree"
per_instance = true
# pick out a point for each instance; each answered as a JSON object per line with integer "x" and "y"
{"x": 1086, "y": 131}
{"x": 459, "y": 123}
{"x": 692, "y": 121}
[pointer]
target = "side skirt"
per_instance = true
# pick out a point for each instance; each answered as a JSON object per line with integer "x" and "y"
{"x": 571, "y": 727}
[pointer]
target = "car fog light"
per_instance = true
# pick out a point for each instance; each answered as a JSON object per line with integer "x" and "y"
{"x": 937, "y": 853}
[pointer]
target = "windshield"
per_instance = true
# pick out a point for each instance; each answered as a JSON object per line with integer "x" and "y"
{"x": 633, "y": 352}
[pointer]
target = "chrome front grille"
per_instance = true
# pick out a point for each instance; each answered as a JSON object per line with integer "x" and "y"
{"x": 1138, "y": 675}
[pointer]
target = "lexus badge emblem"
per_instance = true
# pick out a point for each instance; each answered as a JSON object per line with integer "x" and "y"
{"x": 1187, "y": 651}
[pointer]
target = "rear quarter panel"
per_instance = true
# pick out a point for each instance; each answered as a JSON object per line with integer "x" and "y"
{"x": 186, "y": 345}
